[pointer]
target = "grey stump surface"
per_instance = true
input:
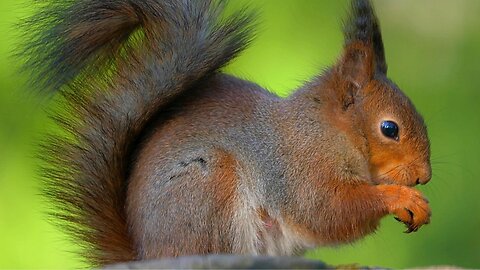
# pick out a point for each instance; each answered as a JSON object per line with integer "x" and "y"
{"x": 247, "y": 262}
{"x": 228, "y": 262}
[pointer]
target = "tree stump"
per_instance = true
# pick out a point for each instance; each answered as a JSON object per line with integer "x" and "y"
{"x": 230, "y": 262}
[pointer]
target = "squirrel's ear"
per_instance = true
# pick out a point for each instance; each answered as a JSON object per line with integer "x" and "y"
{"x": 356, "y": 65}
{"x": 363, "y": 50}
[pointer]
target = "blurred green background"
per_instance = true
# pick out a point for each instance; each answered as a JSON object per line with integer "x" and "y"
{"x": 433, "y": 52}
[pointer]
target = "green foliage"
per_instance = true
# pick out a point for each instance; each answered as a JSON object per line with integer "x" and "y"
{"x": 432, "y": 50}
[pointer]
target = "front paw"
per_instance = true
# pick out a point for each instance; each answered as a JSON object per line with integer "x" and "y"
{"x": 407, "y": 204}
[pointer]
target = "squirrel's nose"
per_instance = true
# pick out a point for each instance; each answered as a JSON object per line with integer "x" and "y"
{"x": 422, "y": 181}
{"x": 424, "y": 176}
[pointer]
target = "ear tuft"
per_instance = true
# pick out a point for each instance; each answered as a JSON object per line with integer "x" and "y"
{"x": 358, "y": 26}
{"x": 362, "y": 27}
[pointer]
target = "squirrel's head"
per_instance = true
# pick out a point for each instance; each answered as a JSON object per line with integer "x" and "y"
{"x": 384, "y": 121}
{"x": 395, "y": 133}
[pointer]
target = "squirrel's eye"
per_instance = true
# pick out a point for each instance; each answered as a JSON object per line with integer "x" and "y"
{"x": 390, "y": 129}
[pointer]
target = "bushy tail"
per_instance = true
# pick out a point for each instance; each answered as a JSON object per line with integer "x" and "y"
{"x": 116, "y": 63}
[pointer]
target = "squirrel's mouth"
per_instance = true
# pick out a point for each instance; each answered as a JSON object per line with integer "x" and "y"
{"x": 394, "y": 182}
{"x": 396, "y": 175}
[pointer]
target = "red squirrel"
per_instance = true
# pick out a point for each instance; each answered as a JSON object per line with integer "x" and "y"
{"x": 160, "y": 154}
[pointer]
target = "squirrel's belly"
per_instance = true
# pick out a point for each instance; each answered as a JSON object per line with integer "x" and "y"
{"x": 259, "y": 232}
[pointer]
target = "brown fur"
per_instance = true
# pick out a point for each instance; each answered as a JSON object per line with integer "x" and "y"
{"x": 170, "y": 157}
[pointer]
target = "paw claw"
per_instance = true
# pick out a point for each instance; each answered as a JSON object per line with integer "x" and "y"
{"x": 411, "y": 228}
{"x": 410, "y": 213}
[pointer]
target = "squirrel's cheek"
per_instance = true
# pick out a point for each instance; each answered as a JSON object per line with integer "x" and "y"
{"x": 392, "y": 172}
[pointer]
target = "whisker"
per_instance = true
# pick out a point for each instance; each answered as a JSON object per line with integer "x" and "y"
{"x": 383, "y": 174}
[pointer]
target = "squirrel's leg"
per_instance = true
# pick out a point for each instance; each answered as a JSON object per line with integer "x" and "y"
{"x": 350, "y": 211}
{"x": 187, "y": 209}
{"x": 361, "y": 206}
